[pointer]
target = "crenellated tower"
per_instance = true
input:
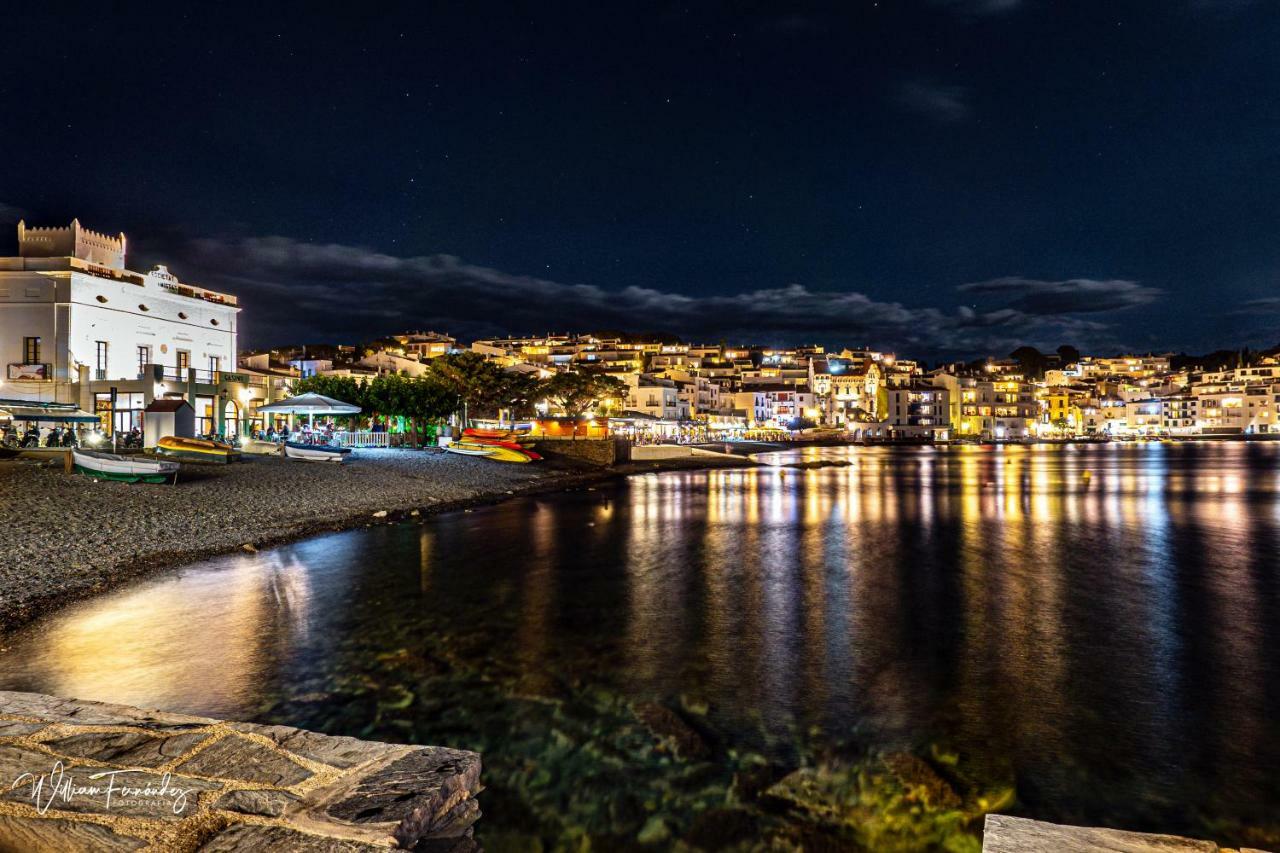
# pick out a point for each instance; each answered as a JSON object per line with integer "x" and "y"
{"x": 73, "y": 241}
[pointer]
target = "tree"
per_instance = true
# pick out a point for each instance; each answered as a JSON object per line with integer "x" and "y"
{"x": 519, "y": 392}
{"x": 799, "y": 423}
{"x": 1031, "y": 361}
{"x": 478, "y": 383}
{"x": 344, "y": 388}
{"x": 577, "y": 392}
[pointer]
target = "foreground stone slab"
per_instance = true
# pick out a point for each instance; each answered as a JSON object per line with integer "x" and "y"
{"x": 78, "y": 775}
{"x": 1004, "y": 834}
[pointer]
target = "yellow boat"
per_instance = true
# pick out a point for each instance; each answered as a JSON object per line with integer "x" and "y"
{"x": 197, "y": 449}
{"x": 496, "y": 452}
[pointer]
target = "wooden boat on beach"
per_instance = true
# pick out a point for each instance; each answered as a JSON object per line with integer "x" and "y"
{"x": 197, "y": 449}
{"x": 128, "y": 469}
{"x": 315, "y": 452}
{"x": 258, "y": 447}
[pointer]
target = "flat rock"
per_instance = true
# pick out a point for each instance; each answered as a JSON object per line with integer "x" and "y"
{"x": 245, "y": 760}
{"x": 103, "y": 774}
{"x": 86, "y": 789}
{"x": 261, "y": 803}
{"x": 1004, "y": 834}
{"x": 85, "y": 713}
{"x": 413, "y": 797}
{"x": 17, "y": 728}
{"x": 134, "y": 749}
{"x": 245, "y": 838}
{"x": 56, "y": 835}
{"x": 333, "y": 750}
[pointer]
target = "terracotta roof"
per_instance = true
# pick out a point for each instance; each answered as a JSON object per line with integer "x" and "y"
{"x": 166, "y": 404}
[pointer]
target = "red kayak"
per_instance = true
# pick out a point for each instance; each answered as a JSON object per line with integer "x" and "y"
{"x": 510, "y": 445}
{"x": 504, "y": 434}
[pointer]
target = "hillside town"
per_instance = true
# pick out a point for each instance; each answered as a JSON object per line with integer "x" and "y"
{"x": 84, "y": 338}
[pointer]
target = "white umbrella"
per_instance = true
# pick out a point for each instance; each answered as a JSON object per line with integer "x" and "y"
{"x": 311, "y": 404}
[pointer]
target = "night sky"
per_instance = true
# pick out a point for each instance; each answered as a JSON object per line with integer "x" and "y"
{"x": 953, "y": 177}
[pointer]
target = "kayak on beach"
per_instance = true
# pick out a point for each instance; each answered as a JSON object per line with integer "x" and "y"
{"x": 498, "y": 445}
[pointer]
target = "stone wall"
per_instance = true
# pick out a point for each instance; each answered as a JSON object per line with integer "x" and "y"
{"x": 92, "y": 776}
{"x": 597, "y": 451}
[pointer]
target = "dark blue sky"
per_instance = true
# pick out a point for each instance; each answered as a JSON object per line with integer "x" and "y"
{"x": 945, "y": 177}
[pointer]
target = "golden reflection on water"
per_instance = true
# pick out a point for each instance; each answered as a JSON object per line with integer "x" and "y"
{"x": 1020, "y": 589}
{"x": 148, "y": 645}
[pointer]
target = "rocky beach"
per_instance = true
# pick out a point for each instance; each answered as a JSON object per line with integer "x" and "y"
{"x": 67, "y": 536}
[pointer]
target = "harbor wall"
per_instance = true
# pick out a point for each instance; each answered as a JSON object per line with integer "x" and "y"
{"x": 597, "y": 451}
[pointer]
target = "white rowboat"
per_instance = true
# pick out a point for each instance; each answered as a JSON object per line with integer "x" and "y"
{"x": 130, "y": 469}
{"x": 315, "y": 452}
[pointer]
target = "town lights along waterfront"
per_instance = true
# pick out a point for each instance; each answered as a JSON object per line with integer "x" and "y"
{"x": 131, "y": 338}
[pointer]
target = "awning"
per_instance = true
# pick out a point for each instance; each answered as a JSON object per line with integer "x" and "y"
{"x": 311, "y": 404}
{"x": 57, "y": 416}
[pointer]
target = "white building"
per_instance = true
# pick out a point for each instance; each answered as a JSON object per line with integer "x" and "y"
{"x": 657, "y": 398}
{"x": 918, "y": 411}
{"x": 75, "y": 323}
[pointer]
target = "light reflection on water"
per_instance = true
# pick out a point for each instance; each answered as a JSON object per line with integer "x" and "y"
{"x": 1100, "y": 617}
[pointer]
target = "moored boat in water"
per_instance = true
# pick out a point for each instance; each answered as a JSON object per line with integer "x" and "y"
{"x": 129, "y": 469}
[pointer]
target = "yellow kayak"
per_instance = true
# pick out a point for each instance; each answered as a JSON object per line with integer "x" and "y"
{"x": 197, "y": 449}
{"x": 496, "y": 452}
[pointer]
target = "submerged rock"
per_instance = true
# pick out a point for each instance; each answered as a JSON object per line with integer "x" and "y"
{"x": 895, "y": 802}
{"x": 917, "y": 776}
{"x": 715, "y": 829}
{"x": 668, "y": 726}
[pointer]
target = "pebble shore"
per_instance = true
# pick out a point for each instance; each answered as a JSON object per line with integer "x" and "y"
{"x": 67, "y": 536}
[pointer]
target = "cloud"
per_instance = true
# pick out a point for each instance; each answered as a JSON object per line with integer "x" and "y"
{"x": 980, "y": 7}
{"x": 295, "y": 291}
{"x": 941, "y": 103}
{"x": 11, "y": 214}
{"x": 1072, "y": 296}
{"x": 1266, "y": 305}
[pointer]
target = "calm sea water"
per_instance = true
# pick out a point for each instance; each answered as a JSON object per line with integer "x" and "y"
{"x": 1096, "y": 626}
